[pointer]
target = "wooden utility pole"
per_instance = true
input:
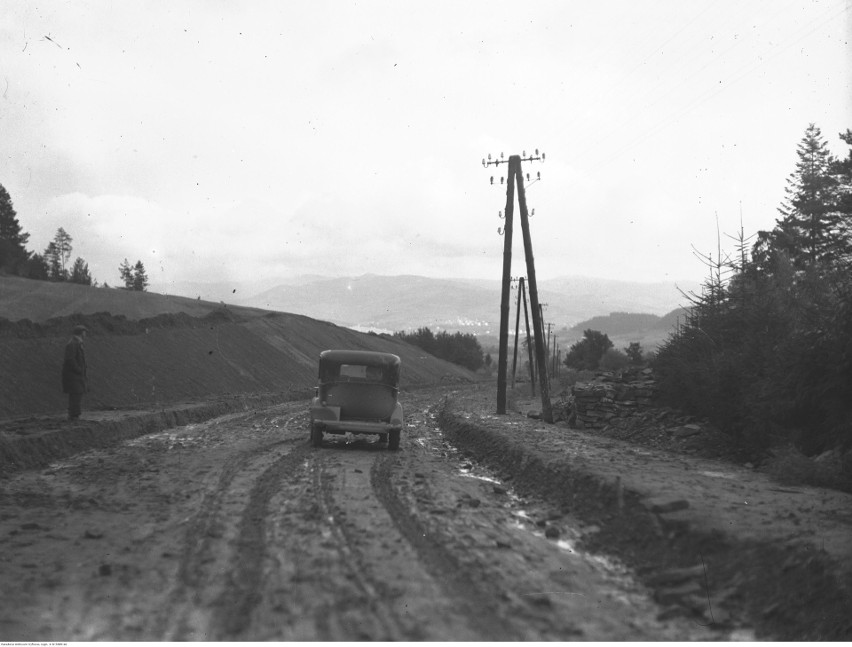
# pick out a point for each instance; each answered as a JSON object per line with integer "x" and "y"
{"x": 546, "y": 409}
{"x": 546, "y": 340}
{"x": 515, "y": 175}
{"x": 504, "y": 297}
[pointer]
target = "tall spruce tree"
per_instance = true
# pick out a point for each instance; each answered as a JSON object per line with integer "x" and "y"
{"x": 842, "y": 171}
{"x": 13, "y": 254}
{"x": 809, "y": 231}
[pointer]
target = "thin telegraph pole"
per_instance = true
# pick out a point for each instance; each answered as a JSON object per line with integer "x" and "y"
{"x": 554, "y": 349}
{"x": 529, "y": 340}
{"x": 541, "y": 307}
{"x": 517, "y": 330}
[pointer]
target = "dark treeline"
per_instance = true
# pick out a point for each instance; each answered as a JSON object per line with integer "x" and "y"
{"x": 458, "y": 348}
{"x": 766, "y": 349}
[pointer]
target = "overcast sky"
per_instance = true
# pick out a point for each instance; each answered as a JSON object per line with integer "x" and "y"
{"x": 237, "y": 141}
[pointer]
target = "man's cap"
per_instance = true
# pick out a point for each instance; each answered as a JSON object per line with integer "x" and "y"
{"x": 79, "y": 328}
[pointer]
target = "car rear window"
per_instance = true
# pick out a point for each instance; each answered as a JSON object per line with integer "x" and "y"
{"x": 353, "y": 370}
{"x": 361, "y": 372}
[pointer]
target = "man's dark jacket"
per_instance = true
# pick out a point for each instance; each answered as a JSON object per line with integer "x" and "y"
{"x": 74, "y": 378}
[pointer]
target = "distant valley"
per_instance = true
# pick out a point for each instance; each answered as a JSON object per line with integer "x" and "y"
{"x": 392, "y": 303}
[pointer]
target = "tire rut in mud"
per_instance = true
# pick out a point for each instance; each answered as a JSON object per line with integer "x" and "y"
{"x": 372, "y": 592}
{"x": 472, "y": 601}
{"x": 318, "y": 584}
{"x": 244, "y": 588}
{"x": 263, "y": 571}
{"x": 193, "y": 575}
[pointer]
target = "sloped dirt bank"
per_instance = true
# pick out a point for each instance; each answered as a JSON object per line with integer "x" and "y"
{"x": 37, "y": 441}
{"x": 718, "y": 543}
{"x": 171, "y": 358}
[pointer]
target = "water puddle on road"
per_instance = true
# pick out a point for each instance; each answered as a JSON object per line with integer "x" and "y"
{"x": 479, "y": 477}
{"x": 569, "y": 536}
{"x": 622, "y": 582}
{"x": 176, "y": 438}
{"x": 719, "y": 475}
{"x": 612, "y": 567}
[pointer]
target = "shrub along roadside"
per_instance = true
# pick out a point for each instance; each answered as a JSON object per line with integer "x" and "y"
{"x": 770, "y": 367}
{"x": 766, "y": 351}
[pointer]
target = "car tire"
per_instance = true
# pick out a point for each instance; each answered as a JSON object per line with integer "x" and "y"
{"x": 393, "y": 440}
{"x": 316, "y": 435}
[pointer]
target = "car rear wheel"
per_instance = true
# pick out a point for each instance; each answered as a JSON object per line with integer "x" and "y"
{"x": 316, "y": 435}
{"x": 393, "y": 440}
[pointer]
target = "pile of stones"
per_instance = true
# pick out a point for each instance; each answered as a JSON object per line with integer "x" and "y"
{"x": 595, "y": 404}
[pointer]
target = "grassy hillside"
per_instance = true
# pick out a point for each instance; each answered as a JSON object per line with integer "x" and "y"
{"x": 168, "y": 357}
{"x": 42, "y": 300}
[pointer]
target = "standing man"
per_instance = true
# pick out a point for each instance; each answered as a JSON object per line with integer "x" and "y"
{"x": 74, "y": 378}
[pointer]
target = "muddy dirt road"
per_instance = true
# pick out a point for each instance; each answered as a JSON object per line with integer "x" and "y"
{"x": 238, "y": 529}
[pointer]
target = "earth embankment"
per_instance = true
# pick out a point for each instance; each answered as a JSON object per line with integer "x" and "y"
{"x": 176, "y": 357}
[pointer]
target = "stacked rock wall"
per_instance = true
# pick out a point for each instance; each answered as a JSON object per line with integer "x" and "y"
{"x": 610, "y": 396}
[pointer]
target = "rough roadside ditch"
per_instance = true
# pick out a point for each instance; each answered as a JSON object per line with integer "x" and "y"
{"x": 781, "y": 590}
{"x": 37, "y": 441}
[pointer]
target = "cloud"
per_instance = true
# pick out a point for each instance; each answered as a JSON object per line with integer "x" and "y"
{"x": 215, "y": 140}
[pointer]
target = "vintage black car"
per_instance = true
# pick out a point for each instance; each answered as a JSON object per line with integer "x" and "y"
{"x": 357, "y": 393}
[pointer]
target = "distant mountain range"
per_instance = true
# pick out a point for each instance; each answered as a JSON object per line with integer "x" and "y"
{"x": 391, "y": 303}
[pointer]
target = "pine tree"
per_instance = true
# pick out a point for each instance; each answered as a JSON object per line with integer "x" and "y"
{"x": 808, "y": 229}
{"x": 62, "y": 241}
{"x": 140, "y": 278}
{"x": 80, "y": 272}
{"x": 842, "y": 171}
{"x": 13, "y": 254}
{"x": 126, "y": 273}
{"x": 37, "y": 268}
{"x": 53, "y": 262}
